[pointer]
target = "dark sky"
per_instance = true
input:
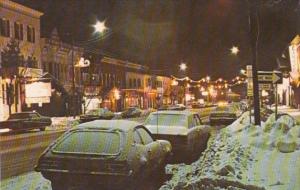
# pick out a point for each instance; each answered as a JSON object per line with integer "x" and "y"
{"x": 163, "y": 33}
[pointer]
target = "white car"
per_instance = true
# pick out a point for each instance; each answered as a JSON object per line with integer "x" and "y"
{"x": 182, "y": 128}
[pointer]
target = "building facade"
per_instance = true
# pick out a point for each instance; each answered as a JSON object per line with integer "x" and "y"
{"x": 60, "y": 60}
{"x": 294, "y": 51}
{"x": 20, "y": 53}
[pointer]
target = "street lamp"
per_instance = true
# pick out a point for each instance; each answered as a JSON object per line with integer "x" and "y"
{"x": 234, "y": 50}
{"x": 183, "y": 66}
{"x": 100, "y": 27}
{"x": 207, "y": 78}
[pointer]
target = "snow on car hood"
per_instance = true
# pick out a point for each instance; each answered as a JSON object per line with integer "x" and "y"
{"x": 167, "y": 130}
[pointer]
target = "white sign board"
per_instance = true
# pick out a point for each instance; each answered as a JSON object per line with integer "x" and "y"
{"x": 37, "y": 92}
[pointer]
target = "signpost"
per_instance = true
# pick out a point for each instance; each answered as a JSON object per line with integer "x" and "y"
{"x": 266, "y": 79}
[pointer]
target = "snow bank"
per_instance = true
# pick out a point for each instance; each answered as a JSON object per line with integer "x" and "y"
{"x": 244, "y": 156}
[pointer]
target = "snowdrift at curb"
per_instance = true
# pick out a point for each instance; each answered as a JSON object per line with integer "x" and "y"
{"x": 244, "y": 156}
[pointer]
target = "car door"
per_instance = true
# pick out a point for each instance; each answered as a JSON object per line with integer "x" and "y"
{"x": 152, "y": 148}
{"x": 194, "y": 134}
{"x": 34, "y": 120}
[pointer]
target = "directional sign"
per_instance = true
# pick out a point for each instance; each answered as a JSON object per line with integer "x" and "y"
{"x": 277, "y": 77}
{"x": 269, "y": 77}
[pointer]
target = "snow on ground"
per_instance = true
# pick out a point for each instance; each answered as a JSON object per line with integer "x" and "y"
{"x": 244, "y": 156}
{"x": 63, "y": 122}
{"x": 27, "y": 181}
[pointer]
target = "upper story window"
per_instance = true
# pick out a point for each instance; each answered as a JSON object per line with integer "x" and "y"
{"x": 130, "y": 83}
{"x": 4, "y": 27}
{"x": 30, "y": 34}
{"x": 18, "y": 31}
{"x": 139, "y": 83}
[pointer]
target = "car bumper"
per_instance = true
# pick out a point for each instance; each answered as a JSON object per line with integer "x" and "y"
{"x": 221, "y": 121}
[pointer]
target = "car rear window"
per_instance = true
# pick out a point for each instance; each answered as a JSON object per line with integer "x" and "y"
{"x": 167, "y": 119}
{"x": 90, "y": 142}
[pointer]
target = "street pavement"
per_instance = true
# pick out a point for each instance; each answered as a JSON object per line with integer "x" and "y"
{"x": 20, "y": 152}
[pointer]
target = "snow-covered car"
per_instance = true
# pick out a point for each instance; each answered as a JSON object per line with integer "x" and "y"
{"x": 95, "y": 114}
{"x": 102, "y": 152}
{"x": 26, "y": 121}
{"x": 223, "y": 115}
{"x": 183, "y": 129}
{"x": 131, "y": 112}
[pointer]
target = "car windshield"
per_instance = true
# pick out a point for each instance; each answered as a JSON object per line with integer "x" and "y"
{"x": 90, "y": 142}
{"x": 20, "y": 115}
{"x": 167, "y": 119}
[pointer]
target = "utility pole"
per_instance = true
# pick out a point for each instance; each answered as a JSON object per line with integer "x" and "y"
{"x": 253, "y": 31}
{"x": 73, "y": 79}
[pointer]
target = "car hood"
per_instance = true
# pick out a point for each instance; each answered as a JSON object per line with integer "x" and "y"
{"x": 167, "y": 130}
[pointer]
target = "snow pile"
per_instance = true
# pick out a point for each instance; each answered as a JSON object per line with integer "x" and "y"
{"x": 244, "y": 156}
{"x": 63, "y": 122}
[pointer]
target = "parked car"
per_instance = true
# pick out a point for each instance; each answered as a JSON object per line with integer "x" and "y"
{"x": 102, "y": 152}
{"x": 179, "y": 107}
{"x": 26, "y": 121}
{"x": 183, "y": 129}
{"x": 131, "y": 112}
{"x": 223, "y": 115}
{"x": 94, "y": 114}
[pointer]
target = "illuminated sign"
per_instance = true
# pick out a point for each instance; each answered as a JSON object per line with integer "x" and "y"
{"x": 37, "y": 92}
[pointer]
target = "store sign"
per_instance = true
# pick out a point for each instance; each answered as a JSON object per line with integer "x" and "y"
{"x": 37, "y": 92}
{"x": 294, "y": 51}
{"x": 30, "y": 72}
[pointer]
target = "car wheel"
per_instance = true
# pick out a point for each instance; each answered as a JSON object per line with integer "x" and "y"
{"x": 42, "y": 128}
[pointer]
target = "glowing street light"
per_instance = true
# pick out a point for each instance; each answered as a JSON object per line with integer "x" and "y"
{"x": 207, "y": 78}
{"x": 234, "y": 50}
{"x": 183, "y": 66}
{"x": 100, "y": 26}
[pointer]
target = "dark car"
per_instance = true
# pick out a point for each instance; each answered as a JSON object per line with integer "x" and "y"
{"x": 26, "y": 121}
{"x": 131, "y": 112}
{"x": 95, "y": 114}
{"x": 102, "y": 152}
{"x": 223, "y": 115}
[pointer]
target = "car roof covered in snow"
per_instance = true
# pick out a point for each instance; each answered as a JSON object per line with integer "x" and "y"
{"x": 123, "y": 125}
{"x": 175, "y": 112}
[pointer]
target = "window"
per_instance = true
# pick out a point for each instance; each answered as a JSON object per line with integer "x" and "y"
{"x": 134, "y": 83}
{"x": 167, "y": 120}
{"x": 95, "y": 142}
{"x": 4, "y": 27}
{"x": 30, "y": 34}
{"x": 130, "y": 83}
{"x": 146, "y": 138}
{"x": 139, "y": 83}
{"x": 18, "y": 31}
{"x": 136, "y": 138}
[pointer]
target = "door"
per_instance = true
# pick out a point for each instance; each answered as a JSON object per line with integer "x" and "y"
{"x": 152, "y": 148}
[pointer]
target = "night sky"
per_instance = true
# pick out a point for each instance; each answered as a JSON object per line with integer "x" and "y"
{"x": 164, "y": 33}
